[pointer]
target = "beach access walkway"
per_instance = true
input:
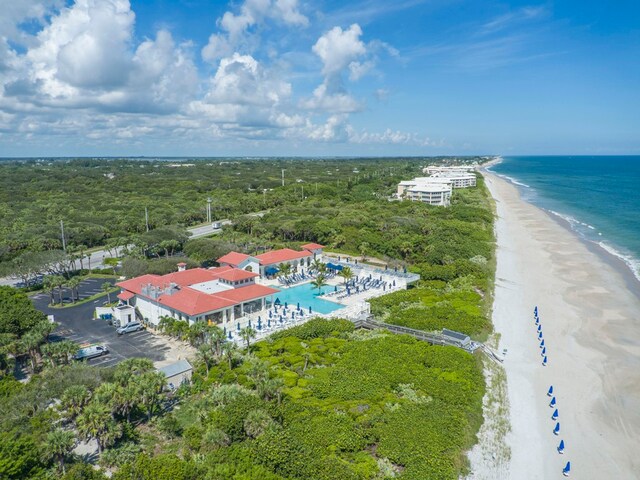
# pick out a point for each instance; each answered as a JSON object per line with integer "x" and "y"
{"x": 453, "y": 339}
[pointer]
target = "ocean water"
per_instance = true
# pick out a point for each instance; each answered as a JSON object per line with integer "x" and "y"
{"x": 598, "y": 196}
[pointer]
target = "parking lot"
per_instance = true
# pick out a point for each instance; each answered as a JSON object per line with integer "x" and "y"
{"x": 77, "y": 324}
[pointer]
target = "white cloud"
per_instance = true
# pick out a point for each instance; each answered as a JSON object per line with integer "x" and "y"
{"x": 235, "y": 27}
{"x": 82, "y": 76}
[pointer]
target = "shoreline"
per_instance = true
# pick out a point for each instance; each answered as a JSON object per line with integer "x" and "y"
{"x": 615, "y": 260}
{"x": 587, "y": 313}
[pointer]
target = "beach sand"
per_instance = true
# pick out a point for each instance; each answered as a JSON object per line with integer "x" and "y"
{"x": 591, "y": 326}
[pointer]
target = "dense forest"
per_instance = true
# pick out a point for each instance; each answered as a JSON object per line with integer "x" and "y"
{"x": 318, "y": 401}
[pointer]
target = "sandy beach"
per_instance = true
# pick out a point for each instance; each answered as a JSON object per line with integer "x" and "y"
{"x": 591, "y": 326}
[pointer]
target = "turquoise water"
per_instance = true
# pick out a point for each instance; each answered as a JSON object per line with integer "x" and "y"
{"x": 598, "y": 196}
{"x": 307, "y": 295}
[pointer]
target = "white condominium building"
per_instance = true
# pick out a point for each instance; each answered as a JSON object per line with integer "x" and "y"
{"x": 433, "y": 169}
{"x": 419, "y": 190}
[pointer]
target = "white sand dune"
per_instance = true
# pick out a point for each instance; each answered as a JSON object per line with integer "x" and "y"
{"x": 591, "y": 326}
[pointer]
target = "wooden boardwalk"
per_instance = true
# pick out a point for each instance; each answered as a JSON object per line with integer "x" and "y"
{"x": 433, "y": 338}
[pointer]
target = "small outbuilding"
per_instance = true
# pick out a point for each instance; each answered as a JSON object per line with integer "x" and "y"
{"x": 177, "y": 373}
{"x": 460, "y": 338}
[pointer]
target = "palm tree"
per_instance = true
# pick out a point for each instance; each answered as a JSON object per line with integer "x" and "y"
{"x": 30, "y": 344}
{"x": 49, "y": 284}
{"x": 131, "y": 367}
{"x": 257, "y": 422}
{"x": 58, "y": 445}
{"x": 248, "y": 333}
{"x": 107, "y": 394}
{"x": 59, "y": 282}
{"x": 229, "y": 350}
{"x": 284, "y": 269}
{"x": 81, "y": 249}
{"x": 196, "y": 333}
{"x": 93, "y": 421}
{"x": 73, "y": 284}
{"x": 128, "y": 399}
{"x": 216, "y": 338}
{"x": 206, "y": 355}
{"x": 150, "y": 385}
{"x": 106, "y": 287}
{"x": 346, "y": 273}
{"x": 363, "y": 248}
{"x": 74, "y": 398}
{"x": 319, "y": 282}
{"x": 319, "y": 266}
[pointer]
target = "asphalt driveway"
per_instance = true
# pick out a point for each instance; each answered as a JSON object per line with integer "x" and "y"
{"x": 77, "y": 324}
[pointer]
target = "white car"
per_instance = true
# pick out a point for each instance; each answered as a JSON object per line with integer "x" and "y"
{"x": 130, "y": 327}
{"x": 91, "y": 352}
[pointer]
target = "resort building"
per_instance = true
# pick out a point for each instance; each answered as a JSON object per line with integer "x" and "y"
{"x": 430, "y": 193}
{"x": 458, "y": 169}
{"x": 266, "y": 264}
{"x": 218, "y": 295}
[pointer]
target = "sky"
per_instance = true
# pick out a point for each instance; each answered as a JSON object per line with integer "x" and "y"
{"x": 318, "y": 78}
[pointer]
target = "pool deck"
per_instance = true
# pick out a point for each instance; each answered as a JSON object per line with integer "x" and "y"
{"x": 354, "y": 306}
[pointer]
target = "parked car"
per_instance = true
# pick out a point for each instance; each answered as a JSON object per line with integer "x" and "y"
{"x": 130, "y": 327}
{"x": 216, "y": 225}
{"x": 90, "y": 352}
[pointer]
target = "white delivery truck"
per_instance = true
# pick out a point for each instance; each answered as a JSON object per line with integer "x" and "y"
{"x": 91, "y": 351}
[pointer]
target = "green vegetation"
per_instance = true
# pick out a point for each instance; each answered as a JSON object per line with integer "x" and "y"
{"x": 317, "y": 401}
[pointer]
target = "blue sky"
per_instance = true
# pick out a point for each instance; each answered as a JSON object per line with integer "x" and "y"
{"x": 294, "y": 77}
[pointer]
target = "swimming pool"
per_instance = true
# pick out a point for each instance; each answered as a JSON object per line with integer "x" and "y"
{"x": 307, "y": 296}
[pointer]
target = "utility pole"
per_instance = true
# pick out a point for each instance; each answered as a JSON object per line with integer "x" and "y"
{"x": 302, "y": 192}
{"x": 283, "y": 177}
{"x": 264, "y": 196}
{"x": 64, "y": 243}
{"x": 146, "y": 217}
{"x": 209, "y": 209}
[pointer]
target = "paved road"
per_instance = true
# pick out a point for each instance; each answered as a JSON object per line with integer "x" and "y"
{"x": 77, "y": 324}
{"x": 97, "y": 257}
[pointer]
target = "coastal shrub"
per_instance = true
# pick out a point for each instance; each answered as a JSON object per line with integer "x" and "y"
{"x": 315, "y": 328}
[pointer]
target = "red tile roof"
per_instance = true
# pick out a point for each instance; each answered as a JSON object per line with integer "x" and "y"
{"x": 135, "y": 284}
{"x": 192, "y": 302}
{"x": 124, "y": 296}
{"x": 189, "y": 277}
{"x": 235, "y": 274}
{"x": 233, "y": 258}
{"x": 244, "y": 294}
{"x": 312, "y": 246}
{"x": 282, "y": 255}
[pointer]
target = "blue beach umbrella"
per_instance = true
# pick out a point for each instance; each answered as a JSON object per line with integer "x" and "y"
{"x": 555, "y": 415}
{"x": 561, "y": 447}
{"x": 556, "y": 429}
{"x": 544, "y": 362}
{"x": 542, "y": 344}
{"x": 537, "y": 321}
{"x": 550, "y": 392}
{"x": 567, "y": 469}
{"x": 544, "y": 351}
{"x": 552, "y": 403}
{"x": 535, "y": 310}
{"x": 539, "y": 327}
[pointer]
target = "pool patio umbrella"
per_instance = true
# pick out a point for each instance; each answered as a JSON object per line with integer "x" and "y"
{"x": 249, "y": 323}
{"x": 277, "y": 302}
{"x": 269, "y": 323}
{"x": 309, "y": 309}
{"x": 298, "y": 306}
{"x": 238, "y": 326}
{"x": 230, "y": 336}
